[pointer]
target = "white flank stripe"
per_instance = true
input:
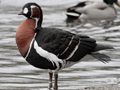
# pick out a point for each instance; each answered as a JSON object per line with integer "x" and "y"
{"x": 30, "y": 46}
{"x": 67, "y": 46}
{"x": 73, "y": 51}
{"x": 53, "y": 58}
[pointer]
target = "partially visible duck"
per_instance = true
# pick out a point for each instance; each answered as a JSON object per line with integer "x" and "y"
{"x": 53, "y": 49}
{"x": 93, "y": 10}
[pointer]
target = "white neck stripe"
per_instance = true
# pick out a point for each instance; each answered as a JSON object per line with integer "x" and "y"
{"x": 30, "y": 47}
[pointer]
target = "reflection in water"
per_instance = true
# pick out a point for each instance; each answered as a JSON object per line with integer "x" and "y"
{"x": 16, "y": 73}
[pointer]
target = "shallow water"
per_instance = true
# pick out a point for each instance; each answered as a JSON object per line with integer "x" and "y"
{"x": 17, "y": 74}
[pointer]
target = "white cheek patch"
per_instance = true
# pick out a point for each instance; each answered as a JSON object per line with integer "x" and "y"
{"x": 25, "y": 11}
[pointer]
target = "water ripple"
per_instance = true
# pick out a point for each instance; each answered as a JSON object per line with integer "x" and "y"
{"x": 17, "y": 74}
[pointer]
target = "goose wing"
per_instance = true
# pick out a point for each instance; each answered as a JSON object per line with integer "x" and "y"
{"x": 65, "y": 45}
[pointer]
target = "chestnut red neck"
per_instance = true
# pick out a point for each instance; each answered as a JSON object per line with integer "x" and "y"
{"x": 37, "y": 14}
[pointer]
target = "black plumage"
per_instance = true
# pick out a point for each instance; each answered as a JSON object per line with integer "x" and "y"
{"x": 63, "y": 44}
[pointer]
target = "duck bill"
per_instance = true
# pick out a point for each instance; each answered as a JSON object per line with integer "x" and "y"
{"x": 21, "y": 13}
{"x": 118, "y": 3}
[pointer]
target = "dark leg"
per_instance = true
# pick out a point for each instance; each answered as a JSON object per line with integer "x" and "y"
{"x": 50, "y": 82}
{"x": 56, "y": 80}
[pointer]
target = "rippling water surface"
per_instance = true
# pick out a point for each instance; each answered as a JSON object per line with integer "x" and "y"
{"x": 17, "y": 74}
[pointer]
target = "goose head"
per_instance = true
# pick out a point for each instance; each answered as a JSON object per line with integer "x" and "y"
{"x": 33, "y": 11}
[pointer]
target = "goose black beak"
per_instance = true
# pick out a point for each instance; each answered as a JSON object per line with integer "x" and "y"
{"x": 21, "y": 13}
{"x": 117, "y": 2}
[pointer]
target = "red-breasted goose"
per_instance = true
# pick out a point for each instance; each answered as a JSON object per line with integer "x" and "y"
{"x": 51, "y": 48}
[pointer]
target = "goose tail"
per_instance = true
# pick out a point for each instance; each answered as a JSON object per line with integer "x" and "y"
{"x": 102, "y": 47}
{"x": 101, "y": 57}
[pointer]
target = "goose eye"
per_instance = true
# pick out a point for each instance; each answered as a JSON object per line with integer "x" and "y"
{"x": 25, "y": 11}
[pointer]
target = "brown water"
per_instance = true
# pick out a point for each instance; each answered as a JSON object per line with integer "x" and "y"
{"x": 17, "y": 74}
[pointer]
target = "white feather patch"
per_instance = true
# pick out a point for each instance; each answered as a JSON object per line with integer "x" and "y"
{"x": 32, "y": 6}
{"x": 25, "y": 11}
{"x": 51, "y": 57}
{"x": 72, "y": 14}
